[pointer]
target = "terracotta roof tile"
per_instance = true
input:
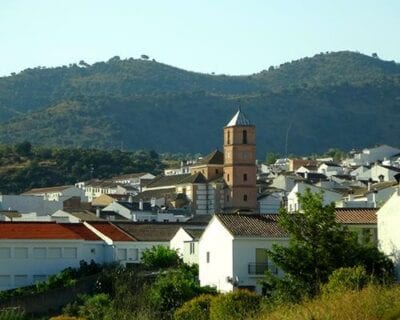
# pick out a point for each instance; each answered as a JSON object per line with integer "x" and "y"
{"x": 82, "y": 231}
{"x": 356, "y": 215}
{"x": 111, "y": 231}
{"x": 252, "y": 225}
{"x": 44, "y": 230}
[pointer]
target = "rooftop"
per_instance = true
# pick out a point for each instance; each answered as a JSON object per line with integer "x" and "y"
{"x": 111, "y": 231}
{"x": 356, "y": 215}
{"x": 47, "y": 190}
{"x": 239, "y": 119}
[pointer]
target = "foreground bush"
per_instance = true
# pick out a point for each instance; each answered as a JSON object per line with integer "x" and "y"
{"x": 236, "y": 305}
{"x": 371, "y": 303}
{"x": 345, "y": 279}
{"x": 197, "y": 308}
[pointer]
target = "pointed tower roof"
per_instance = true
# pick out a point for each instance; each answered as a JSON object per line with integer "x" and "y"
{"x": 239, "y": 119}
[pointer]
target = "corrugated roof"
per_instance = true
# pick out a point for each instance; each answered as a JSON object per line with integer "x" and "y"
{"x": 239, "y": 119}
{"x": 112, "y": 231}
{"x": 252, "y": 225}
{"x": 356, "y": 215}
{"x": 45, "y": 231}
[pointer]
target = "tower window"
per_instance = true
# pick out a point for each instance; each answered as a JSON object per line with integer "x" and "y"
{"x": 229, "y": 138}
{"x": 245, "y": 197}
{"x": 227, "y": 177}
{"x": 244, "y": 136}
{"x": 227, "y": 198}
{"x": 216, "y": 171}
{"x": 245, "y": 177}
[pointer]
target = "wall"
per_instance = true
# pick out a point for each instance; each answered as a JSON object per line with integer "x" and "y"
{"x": 218, "y": 242}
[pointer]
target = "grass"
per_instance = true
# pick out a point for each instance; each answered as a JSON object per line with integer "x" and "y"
{"x": 371, "y": 303}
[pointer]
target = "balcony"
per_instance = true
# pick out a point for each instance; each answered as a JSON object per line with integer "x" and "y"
{"x": 257, "y": 269}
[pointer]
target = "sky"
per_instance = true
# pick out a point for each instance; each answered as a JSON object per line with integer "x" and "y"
{"x": 222, "y": 36}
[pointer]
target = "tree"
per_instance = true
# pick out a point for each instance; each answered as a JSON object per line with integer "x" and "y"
{"x": 318, "y": 245}
{"x": 159, "y": 257}
{"x": 271, "y": 157}
{"x": 145, "y": 57}
{"x": 23, "y": 148}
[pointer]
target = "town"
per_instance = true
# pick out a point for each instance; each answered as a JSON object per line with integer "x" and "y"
{"x": 219, "y": 212}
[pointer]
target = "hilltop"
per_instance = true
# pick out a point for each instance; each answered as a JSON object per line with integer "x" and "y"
{"x": 340, "y": 99}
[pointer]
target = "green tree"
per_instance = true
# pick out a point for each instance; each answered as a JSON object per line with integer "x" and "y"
{"x": 271, "y": 157}
{"x": 159, "y": 257}
{"x": 318, "y": 245}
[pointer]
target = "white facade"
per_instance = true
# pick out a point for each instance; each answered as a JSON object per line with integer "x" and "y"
{"x": 29, "y": 204}
{"x": 24, "y": 262}
{"x": 227, "y": 262}
{"x": 388, "y": 230}
{"x": 57, "y": 193}
{"x": 293, "y": 201}
{"x": 369, "y": 156}
{"x": 380, "y": 173}
{"x": 330, "y": 170}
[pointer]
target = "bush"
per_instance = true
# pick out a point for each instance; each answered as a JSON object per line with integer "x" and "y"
{"x": 344, "y": 279}
{"x": 236, "y": 305}
{"x": 12, "y": 314}
{"x": 95, "y": 307}
{"x": 197, "y": 308}
{"x": 159, "y": 257}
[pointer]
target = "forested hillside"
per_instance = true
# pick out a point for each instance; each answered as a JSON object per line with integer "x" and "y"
{"x": 341, "y": 99}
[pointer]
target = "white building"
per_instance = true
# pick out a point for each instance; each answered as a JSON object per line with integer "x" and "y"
{"x": 330, "y": 169}
{"x": 29, "y": 204}
{"x": 186, "y": 243}
{"x": 56, "y": 193}
{"x": 232, "y": 251}
{"x": 300, "y": 188}
{"x": 388, "y": 230}
{"x": 371, "y": 155}
{"x": 270, "y": 201}
{"x": 381, "y": 173}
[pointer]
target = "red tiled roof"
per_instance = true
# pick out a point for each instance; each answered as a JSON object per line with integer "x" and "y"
{"x": 111, "y": 231}
{"x": 43, "y": 230}
{"x": 252, "y": 225}
{"x": 356, "y": 215}
{"x": 82, "y": 231}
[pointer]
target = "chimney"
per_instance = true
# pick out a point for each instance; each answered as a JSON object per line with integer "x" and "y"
{"x": 374, "y": 197}
{"x": 98, "y": 212}
{"x": 141, "y": 204}
{"x": 369, "y": 184}
{"x": 130, "y": 199}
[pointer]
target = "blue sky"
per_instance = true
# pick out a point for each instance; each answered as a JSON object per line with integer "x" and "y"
{"x": 221, "y": 36}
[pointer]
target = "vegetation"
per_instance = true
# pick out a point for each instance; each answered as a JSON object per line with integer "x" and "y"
{"x": 23, "y": 166}
{"x": 139, "y": 103}
{"x": 318, "y": 246}
{"x": 160, "y": 257}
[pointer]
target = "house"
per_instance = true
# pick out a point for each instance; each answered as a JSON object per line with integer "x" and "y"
{"x": 210, "y": 166}
{"x": 293, "y": 204}
{"x": 286, "y": 181}
{"x": 135, "y": 180}
{"x": 63, "y": 216}
{"x": 186, "y": 243}
{"x": 371, "y": 155}
{"x": 295, "y": 164}
{"x": 330, "y": 169}
{"x": 56, "y": 193}
{"x": 381, "y": 173}
{"x": 271, "y": 200}
{"x": 388, "y": 229}
{"x": 232, "y": 250}
{"x": 362, "y": 221}
{"x": 31, "y": 251}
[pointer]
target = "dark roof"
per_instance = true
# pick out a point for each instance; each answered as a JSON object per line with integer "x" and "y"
{"x": 84, "y": 215}
{"x": 195, "y": 178}
{"x": 135, "y": 205}
{"x": 157, "y": 194}
{"x": 356, "y": 215}
{"x": 111, "y": 216}
{"x": 215, "y": 157}
{"x": 163, "y": 181}
{"x": 382, "y": 185}
{"x": 239, "y": 119}
{"x": 252, "y": 225}
{"x": 391, "y": 168}
{"x": 331, "y": 163}
{"x": 195, "y": 233}
{"x": 129, "y": 176}
{"x": 200, "y": 219}
{"x": 149, "y": 231}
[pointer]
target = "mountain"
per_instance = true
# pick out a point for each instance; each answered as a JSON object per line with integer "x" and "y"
{"x": 340, "y": 99}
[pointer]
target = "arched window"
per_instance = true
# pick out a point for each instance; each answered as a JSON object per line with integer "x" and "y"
{"x": 244, "y": 136}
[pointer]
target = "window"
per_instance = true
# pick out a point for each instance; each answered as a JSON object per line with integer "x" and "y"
{"x": 70, "y": 253}
{"x": 54, "y": 253}
{"x": 21, "y": 280}
{"x": 39, "y": 253}
{"x": 133, "y": 254}
{"x": 245, "y": 197}
{"x": 245, "y": 177}
{"x": 121, "y": 254}
{"x": 21, "y": 253}
{"x": 5, "y": 281}
{"x": 5, "y": 253}
{"x": 192, "y": 249}
{"x": 227, "y": 177}
{"x": 216, "y": 171}
{"x": 244, "y": 136}
{"x": 227, "y": 198}
{"x": 229, "y": 138}
{"x": 208, "y": 256}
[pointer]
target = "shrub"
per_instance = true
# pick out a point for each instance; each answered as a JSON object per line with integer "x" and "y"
{"x": 95, "y": 307}
{"x": 198, "y": 308}
{"x": 343, "y": 279}
{"x": 12, "y": 314}
{"x": 159, "y": 257}
{"x": 236, "y": 305}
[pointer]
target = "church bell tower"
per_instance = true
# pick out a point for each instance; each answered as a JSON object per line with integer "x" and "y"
{"x": 240, "y": 164}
